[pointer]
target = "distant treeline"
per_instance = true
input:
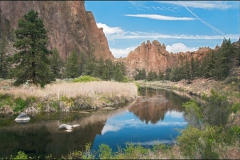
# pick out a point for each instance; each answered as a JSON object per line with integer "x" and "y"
{"x": 216, "y": 65}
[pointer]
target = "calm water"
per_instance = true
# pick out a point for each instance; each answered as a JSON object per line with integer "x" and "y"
{"x": 155, "y": 117}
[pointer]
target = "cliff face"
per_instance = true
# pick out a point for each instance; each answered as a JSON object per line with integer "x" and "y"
{"x": 154, "y": 57}
{"x": 70, "y": 27}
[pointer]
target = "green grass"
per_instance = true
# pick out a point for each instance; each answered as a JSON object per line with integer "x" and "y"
{"x": 85, "y": 79}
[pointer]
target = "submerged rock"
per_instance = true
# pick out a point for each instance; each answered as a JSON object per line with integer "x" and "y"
{"x": 22, "y": 118}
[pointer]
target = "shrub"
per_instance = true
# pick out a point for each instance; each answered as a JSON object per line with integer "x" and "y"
{"x": 193, "y": 113}
{"x": 20, "y": 104}
{"x": 217, "y": 109}
{"x": 85, "y": 79}
{"x": 105, "y": 151}
{"x": 196, "y": 143}
{"x": 21, "y": 155}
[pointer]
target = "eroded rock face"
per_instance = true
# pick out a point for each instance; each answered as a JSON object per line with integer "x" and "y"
{"x": 154, "y": 57}
{"x": 70, "y": 27}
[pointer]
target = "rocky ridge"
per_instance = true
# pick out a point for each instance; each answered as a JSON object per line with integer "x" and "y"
{"x": 154, "y": 57}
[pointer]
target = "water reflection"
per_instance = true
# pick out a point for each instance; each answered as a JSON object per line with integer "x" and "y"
{"x": 44, "y": 138}
{"x": 152, "y": 119}
{"x": 155, "y": 104}
{"x": 149, "y": 120}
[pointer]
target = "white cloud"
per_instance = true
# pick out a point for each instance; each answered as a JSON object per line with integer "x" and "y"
{"x": 110, "y": 30}
{"x": 114, "y": 33}
{"x": 160, "y": 17}
{"x": 154, "y": 35}
{"x": 179, "y": 47}
{"x": 174, "y": 114}
{"x": 202, "y": 4}
{"x": 110, "y": 128}
{"x": 118, "y": 52}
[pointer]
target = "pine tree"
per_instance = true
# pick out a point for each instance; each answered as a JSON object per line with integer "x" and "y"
{"x": 71, "y": 70}
{"x": 106, "y": 75}
{"x": 56, "y": 64}
{"x": 118, "y": 75}
{"x": 110, "y": 67}
{"x": 3, "y": 58}
{"x": 160, "y": 76}
{"x": 32, "y": 63}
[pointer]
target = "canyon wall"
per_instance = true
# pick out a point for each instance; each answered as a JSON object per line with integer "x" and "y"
{"x": 70, "y": 27}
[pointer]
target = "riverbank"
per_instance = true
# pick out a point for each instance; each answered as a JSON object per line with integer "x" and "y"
{"x": 198, "y": 87}
{"x": 63, "y": 96}
{"x": 230, "y": 87}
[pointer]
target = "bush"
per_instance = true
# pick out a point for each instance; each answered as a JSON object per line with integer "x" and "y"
{"x": 196, "y": 143}
{"x": 105, "y": 151}
{"x": 85, "y": 79}
{"x": 193, "y": 113}
{"x": 217, "y": 109}
{"x": 21, "y": 155}
{"x": 20, "y": 104}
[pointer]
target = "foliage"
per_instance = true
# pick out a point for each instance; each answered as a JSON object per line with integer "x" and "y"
{"x": 21, "y": 155}
{"x": 193, "y": 113}
{"x": 87, "y": 154}
{"x": 56, "y": 64}
{"x": 118, "y": 75}
{"x": 3, "y": 58}
{"x": 216, "y": 64}
{"x": 208, "y": 130}
{"x": 141, "y": 74}
{"x": 72, "y": 69}
{"x": 20, "y": 104}
{"x": 80, "y": 65}
{"x": 105, "y": 152}
{"x": 76, "y": 155}
{"x": 217, "y": 109}
{"x": 196, "y": 143}
{"x": 85, "y": 79}
{"x": 152, "y": 76}
{"x": 31, "y": 62}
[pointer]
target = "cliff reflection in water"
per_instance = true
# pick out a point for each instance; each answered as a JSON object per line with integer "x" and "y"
{"x": 155, "y": 104}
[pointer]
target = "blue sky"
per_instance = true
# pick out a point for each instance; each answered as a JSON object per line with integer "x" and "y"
{"x": 180, "y": 25}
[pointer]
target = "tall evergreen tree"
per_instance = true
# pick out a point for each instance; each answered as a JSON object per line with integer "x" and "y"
{"x": 3, "y": 58}
{"x": 32, "y": 63}
{"x": 110, "y": 67}
{"x": 160, "y": 76}
{"x": 56, "y": 64}
{"x": 118, "y": 75}
{"x": 71, "y": 69}
{"x": 106, "y": 75}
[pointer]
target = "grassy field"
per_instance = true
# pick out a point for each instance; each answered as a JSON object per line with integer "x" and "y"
{"x": 91, "y": 94}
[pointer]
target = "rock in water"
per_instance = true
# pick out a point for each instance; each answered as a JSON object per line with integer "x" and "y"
{"x": 22, "y": 118}
{"x": 67, "y": 127}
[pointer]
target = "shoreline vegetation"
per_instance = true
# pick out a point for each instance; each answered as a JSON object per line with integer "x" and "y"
{"x": 204, "y": 141}
{"x": 63, "y": 96}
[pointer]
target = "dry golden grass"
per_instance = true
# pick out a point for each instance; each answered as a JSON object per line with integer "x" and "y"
{"x": 72, "y": 90}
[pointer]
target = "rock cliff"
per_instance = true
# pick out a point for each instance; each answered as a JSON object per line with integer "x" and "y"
{"x": 154, "y": 57}
{"x": 70, "y": 27}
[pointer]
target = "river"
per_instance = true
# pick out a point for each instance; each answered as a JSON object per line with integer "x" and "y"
{"x": 155, "y": 117}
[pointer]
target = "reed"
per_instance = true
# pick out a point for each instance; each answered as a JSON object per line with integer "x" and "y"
{"x": 73, "y": 90}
